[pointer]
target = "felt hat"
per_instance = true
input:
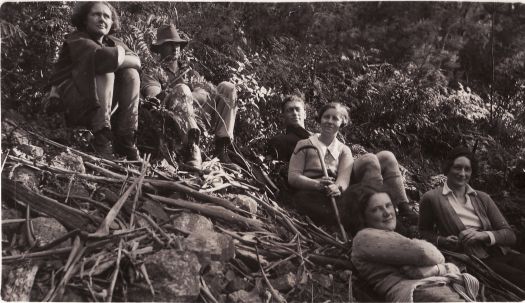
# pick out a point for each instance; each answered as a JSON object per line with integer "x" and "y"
{"x": 167, "y": 33}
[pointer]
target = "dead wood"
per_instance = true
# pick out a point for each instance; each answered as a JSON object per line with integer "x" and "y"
{"x": 211, "y": 210}
{"x": 66, "y": 215}
{"x": 170, "y": 185}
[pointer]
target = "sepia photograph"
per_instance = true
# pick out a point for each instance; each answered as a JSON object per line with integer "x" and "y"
{"x": 256, "y": 152}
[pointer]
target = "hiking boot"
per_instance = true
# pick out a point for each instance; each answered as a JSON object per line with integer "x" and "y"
{"x": 192, "y": 156}
{"x": 407, "y": 212}
{"x": 125, "y": 146}
{"x": 101, "y": 144}
{"x": 221, "y": 149}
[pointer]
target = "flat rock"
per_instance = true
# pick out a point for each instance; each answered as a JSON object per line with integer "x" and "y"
{"x": 285, "y": 282}
{"x": 27, "y": 176}
{"x": 31, "y": 150}
{"x": 192, "y": 223}
{"x": 246, "y": 203}
{"x": 69, "y": 162}
{"x": 47, "y": 230}
{"x": 210, "y": 246}
{"x": 174, "y": 276}
{"x": 242, "y": 296}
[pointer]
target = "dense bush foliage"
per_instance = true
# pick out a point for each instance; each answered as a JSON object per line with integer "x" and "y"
{"x": 419, "y": 77}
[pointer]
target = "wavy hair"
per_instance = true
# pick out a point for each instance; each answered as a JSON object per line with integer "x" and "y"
{"x": 82, "y": 9}
{"x": 340, "y": 108}
{"x": 359, "y": 194}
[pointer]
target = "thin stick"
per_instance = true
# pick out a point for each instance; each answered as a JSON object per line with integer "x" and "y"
{"x": 115, "y": 273}
{"x": 276, "y": 295}
{"x": 103, "y": 230}
{"x": 138, "y": 192}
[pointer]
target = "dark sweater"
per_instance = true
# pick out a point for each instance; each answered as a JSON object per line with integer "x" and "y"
{"x": 281, "y": 147}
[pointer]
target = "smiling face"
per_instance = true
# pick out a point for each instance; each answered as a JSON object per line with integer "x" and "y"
{"x": 331, "y": 121}
{"x": 380, "y": 212}
{"x": 460, "y": 172}
{"x": 99, "y": 20}
{"x": 294, "y": 113}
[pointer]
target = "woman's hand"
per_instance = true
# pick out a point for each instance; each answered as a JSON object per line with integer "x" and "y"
{"x": 471, "y": 236}
{"x": 328, "y": 186}
{"x": 450, "y": 242}
{"x": 420, "y": 272}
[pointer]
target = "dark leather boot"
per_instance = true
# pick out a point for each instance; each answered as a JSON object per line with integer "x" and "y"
{"x": 125, "y": 146}
{"x": 102, "y": 143}
{"x": 221, "y": 149}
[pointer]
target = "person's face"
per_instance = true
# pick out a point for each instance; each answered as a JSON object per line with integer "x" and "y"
{"x": 459, "y": 174}
{"x": 380, "y": 212}
{"x": 331, "y": 121}
{"x": 294, "y": 113}
{"x": 170, "y": 49}
{"x": 99, "y": 20}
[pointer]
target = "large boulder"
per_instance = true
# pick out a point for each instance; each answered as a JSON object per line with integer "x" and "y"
{"x": 210, "y": 246}
{"x": 174, "y": 276}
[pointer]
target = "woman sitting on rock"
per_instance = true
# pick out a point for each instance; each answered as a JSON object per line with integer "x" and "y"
{"x": 399, "y": 268}
{"x": 457, "y": 217}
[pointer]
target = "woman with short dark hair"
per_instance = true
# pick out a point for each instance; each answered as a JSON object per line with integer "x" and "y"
{"x": 457, "y": 217}
{"x": 95, "y": 73}
{"x": 398, "y": 268}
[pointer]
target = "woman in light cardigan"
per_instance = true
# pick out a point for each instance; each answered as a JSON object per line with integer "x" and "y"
{"x": 305, "y": 173}
{"x": 398, "y": 268}
{"x": 457, "y": 217}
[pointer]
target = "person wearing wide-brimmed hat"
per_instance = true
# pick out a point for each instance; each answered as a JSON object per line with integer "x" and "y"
{"x": 96, "y": 72}
{"x": 179, "y": 89}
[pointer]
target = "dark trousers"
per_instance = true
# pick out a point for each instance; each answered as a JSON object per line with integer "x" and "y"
{"x": 510, "y": 266}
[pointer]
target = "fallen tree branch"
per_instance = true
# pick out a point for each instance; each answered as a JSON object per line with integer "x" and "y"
{"x": 70, "y": 217}
{"x": 211, "y": 210}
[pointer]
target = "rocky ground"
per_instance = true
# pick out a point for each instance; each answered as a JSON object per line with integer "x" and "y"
{"x": 79, "y": 228}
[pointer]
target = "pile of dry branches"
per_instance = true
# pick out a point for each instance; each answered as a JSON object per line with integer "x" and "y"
{"x": 117, "y": 214}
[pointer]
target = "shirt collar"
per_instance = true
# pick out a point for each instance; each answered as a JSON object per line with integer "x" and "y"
{"x": 334, "y": 148}
{"x": 447, "y": 190}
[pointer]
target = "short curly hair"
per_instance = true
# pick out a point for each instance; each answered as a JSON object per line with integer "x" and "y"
{"x": 82, "y": 9}
{"x": 291, "y": 98}
{"x": 459, "y": 151}
{"x": 342, "y": 109}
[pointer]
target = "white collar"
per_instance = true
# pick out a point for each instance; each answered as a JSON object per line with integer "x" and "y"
{"x": 334, "y": 148}
{"x": 447, "y": 190}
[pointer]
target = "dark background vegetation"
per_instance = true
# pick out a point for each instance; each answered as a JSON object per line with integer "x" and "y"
{"x": 419, "y": 77}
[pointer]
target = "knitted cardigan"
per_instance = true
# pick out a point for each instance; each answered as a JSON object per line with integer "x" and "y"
{"x": 438, "y": 218}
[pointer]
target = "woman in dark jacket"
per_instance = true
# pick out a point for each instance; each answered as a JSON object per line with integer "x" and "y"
{"x": 96, "y": 72}
{"x": 457, "y": 217}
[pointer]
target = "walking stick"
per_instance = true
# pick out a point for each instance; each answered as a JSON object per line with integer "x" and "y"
{"x": 332, "y": 199}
